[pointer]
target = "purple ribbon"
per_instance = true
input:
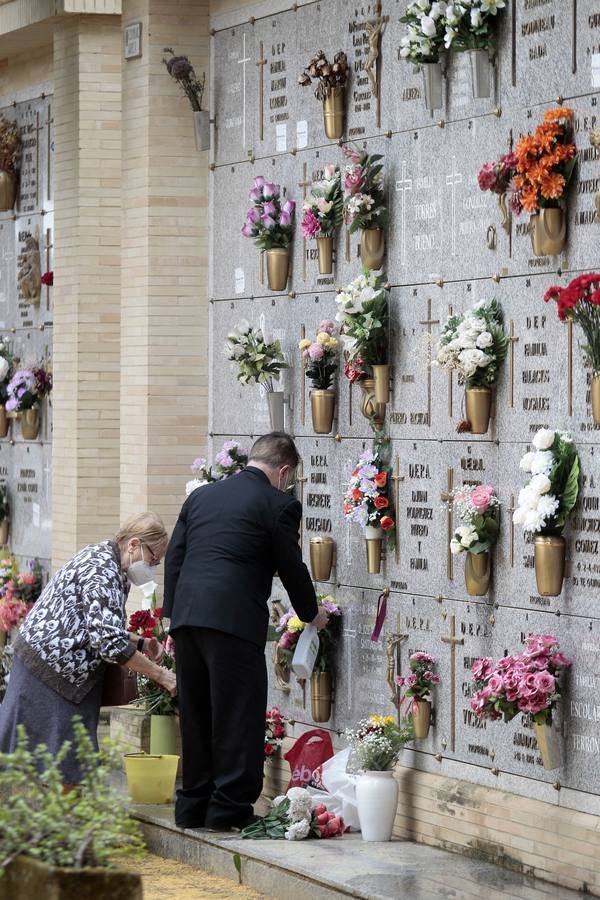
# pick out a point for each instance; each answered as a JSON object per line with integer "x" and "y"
{"x": 381, "y": 614}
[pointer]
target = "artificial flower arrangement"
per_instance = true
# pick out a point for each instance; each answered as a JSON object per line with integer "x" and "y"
{"x": 320, "y": 358}
{"x": 270, "y": 222}
{"x": 259, "y": 361}
{"x": 331, "y": 80}
{"x": 499, "y": 178}
{"x": 470, "y": 27}
{"x": 25, "y": 391}
{"x": 478, "y": 510}
{"x": 527, "y": 683}
{"x": 364, "y": 203}
{"x": 10, "y": 155}
{"x": 323, "y": 215}
{"x": 366, "y": 503}
{"x": 290, "y": 627}
{"x": 547, "y": 501}
{"x": 364, "y": 316}
{"x": 18, "y": 591}
{"x": 275, "y": 723}
{"x": 474, "y": 345}
{"x": 423, "y": 44}
{"x": 546, "y": 161}
{"x": 295, "y": 816}
{"x": 579, "y": 302}
{"x": 417, "y": 691}
{"x": 154, "y": 699}
{"x": 230, "y": 460}
{"x": 182, "y": 71}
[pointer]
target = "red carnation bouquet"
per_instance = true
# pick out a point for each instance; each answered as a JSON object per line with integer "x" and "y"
{"x": 149, "y": 623}
{"x": 275, "y": 732}
{"x": 579, "y": 302}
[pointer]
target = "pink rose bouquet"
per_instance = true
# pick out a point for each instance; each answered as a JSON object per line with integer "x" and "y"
{"x": 421, "y": 679}
{"x": 320, "y": 356}
{"x": 270, "y": 218}
{"x": 525, "y": 683}
{"x": 364, "y": 197}
{"x": 324, "y": 207}
{"x": 478, "y": 509}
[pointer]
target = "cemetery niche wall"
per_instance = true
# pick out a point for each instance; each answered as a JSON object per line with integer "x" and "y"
{"x": 446, "y": 251}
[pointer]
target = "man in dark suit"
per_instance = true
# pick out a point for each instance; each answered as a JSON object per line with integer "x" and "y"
{"x": 230, "y": 539}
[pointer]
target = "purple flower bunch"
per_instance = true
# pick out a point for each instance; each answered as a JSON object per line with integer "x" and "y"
{"x": 27, "y": 387}
{"x": 269, "y": 220}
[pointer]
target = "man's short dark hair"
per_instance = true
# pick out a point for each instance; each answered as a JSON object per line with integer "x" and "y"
{"x": 276, "y": 449}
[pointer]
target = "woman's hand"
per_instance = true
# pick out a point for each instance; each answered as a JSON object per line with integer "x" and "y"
{"x": 153, "y": 649}
{"x": 168, "y": 681}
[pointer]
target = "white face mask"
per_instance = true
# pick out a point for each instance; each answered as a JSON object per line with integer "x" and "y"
{"x": 140, "y": 572}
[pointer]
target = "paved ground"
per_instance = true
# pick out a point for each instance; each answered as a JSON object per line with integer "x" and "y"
{"x": 166, "y": 879}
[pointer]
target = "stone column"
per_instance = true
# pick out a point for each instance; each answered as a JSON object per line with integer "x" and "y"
{"x": 87, "y": 121}
{"x": 164, "y": 307}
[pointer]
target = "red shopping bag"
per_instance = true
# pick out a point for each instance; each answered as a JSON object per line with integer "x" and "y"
{"x": 310, "y": 751}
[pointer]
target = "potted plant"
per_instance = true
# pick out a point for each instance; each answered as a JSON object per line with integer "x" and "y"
{"x": 275, "y": 723}
{"x": 474, "y": 345}
{"x": 321, "y": 683}
{"x": 478, "y": 510}
{"x": 423, "y": 44}
{"x": 323, "y": 214}
{"x": 366, "y": 503}
{"x": 377, "y": 743}
{"x": 258, "y": 361}
{"x": 470, "y": 29}
{"x": 155, "y": 700}
{"x": 579, "y": 302}
{"x": 25, "y": 391}
{"x": 526, "y": 683}
{"x": 63, "y": 845}
{"x": 363, "y": 313}
{"x": 270, "y": 223}
{"x": 546, "y": 161}
{"x": 364, "y": 204}
{"x": 320, "y": 365}
{"x": 182, "y": 71}
{"x": 546, "y": 503}
{"x": 10, "y": 155}
{"x": 499, "y": 178}
{"x": 331, "y": 80}
{"x": 418, "y": 691}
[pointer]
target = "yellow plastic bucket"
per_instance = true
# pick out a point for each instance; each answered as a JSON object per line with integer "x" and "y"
{"x": 150, "y": 778}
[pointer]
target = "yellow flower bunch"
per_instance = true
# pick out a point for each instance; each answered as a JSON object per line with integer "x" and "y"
{"x": 327, "y": 341}
{"x": 295, "y": 624}
{"x": 304, "y": 344}
{"x": 381, "y": 721}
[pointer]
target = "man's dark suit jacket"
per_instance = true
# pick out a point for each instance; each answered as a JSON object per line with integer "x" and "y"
{"x": 230, "y": 539}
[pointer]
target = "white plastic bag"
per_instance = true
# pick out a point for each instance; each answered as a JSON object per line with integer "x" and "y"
{"x": 306, "y": 652}
{"x": 339, "y": 794}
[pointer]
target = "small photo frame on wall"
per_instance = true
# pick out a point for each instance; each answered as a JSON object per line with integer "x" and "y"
{"x": 132, "y": 40}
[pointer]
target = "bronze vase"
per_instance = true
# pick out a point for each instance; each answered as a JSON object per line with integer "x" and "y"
{"x": 504, "y": 213}
{"x": 478, "y": 570}
{"x": 381, "y": 377}
{"x": 548, "y": 232}
{"x": 548, "y": 741}
{"x": 8, "y": 189}
{"x": 478, "y": 401}
{"x": 334, "y": 109}
{"x": 321, "y": 557}
{"x": 369, "y": 406}
{"x": 325, "y": 250}
{"x": 320, "y": 696}
{"x": 549, "y": 557}
{"x": 3, "y": 422}
{"x": 278, "y": 263}
{"x": 4, "y": 533}
{"x": 595, "y": 388}
{"x": 421, "y": 719}
{"x": 322, "y": 405}
{"x": 372, "y": 247}
{"x": 374, "y": 542}
{"x": 30, "y": 423}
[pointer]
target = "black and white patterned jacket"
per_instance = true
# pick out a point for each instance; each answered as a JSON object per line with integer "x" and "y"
{"x": 78, "y": 622}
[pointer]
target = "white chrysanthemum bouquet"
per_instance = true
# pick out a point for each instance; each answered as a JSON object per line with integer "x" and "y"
{"x": 547, "y": 501}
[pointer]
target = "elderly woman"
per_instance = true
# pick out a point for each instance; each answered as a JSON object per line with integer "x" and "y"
{"x": 76, "y": 627}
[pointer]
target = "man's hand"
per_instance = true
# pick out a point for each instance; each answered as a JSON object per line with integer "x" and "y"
{"x": 153, "y": 649}
{"x": 321, "y": 619}
{"x": 168, "y": 681}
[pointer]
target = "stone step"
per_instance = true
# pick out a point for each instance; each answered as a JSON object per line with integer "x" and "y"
{"x": 340, "y": 867}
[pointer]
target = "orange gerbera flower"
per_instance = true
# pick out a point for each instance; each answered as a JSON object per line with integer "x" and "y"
{"x": 529, "y": 199}
{"x": 559, "y": 112}
{"x": 563, "y": 152}
{"x": 527, "y": 146}
{"x": 539, "y": 169}
{"x": 546, "y": 135}
{"x": 552, "y": 186}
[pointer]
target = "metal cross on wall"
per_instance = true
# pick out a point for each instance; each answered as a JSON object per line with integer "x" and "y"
{"x": 429, "y": 322}
{"x": 304, "y": 184}
{"x": 512, "y": 340}
{"x": 447, "y": 499}
{"x": 397, "y": 478}
{"x": 243, "y": 62}
{"x": 453, "y": 641}
{"x": 261, "y": 63}
{"x": 301, "y": 480}
{"x": 453, "y": 180}
{"x": 403, "y": 185}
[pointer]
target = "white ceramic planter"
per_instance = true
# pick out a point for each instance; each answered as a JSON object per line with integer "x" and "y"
{"x": 377, "y": 801}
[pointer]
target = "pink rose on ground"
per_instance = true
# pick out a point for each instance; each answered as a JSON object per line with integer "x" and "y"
{"x": 482, "y": 496}
{"x": 316, "y": 352}
{"x": 487, "y": 177}
{"x": 353, "y": 180}
{"x": 310, "y": 224}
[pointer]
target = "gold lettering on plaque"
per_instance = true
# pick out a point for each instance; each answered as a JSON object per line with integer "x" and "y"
{"x": 453, "y": 641}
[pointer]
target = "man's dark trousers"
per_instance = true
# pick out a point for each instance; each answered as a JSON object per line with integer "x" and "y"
{"x": 222, "y": 691}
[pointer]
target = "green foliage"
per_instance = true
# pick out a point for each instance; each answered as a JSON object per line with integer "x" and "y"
{"x": 363, "y": 310}
{"x": 87, "y": 827}
{"x": 565, "y": 480}
{"x": 258, "y": 360}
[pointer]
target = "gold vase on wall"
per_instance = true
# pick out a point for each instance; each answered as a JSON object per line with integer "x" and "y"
{"x": 4, "y": 422}
{"x": 421, "y": 719}
{"x": 548, "y": 229}
{"x": 322, "y": 406}
{"x": 549, "y": 557}
{"x": 321, "y": 557}
{"x": 278, "y": 263}
{"x": 595, "y": 389}
{"x": 381, "y": 377}
{"x": 325, "y": 250}
{"x": 334, "y": 112}
{"x": 4, "y": 525}
{"x": 369, "y": 406}
{"x": 478, "y": 570}
{"x": 478, "y": 402}
{"x": 8, "y": 190}
{"x": 320, "y": 696}
{"x": 548, "y": 741}
{"x": 374, "y": 542}
{"x": 372, "y": 247}
{"x": 30, "y": 423}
